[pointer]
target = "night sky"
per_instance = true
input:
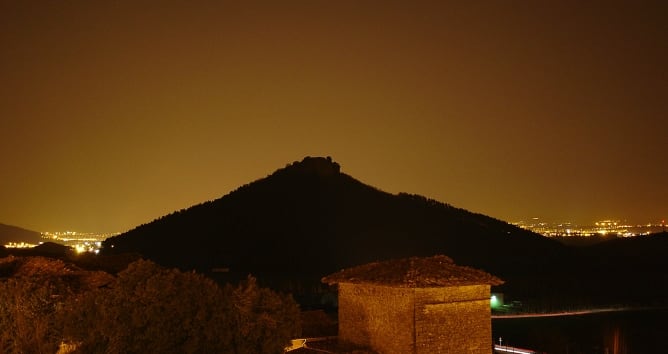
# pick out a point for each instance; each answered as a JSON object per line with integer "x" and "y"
{"x": 114, "y": 113}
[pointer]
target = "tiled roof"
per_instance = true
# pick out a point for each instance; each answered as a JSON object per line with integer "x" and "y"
{"x": 414, "y": 272}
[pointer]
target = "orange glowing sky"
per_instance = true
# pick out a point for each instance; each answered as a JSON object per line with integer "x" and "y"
{"x": 114, "y": 114}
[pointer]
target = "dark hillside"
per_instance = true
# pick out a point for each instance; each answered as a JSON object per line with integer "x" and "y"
{"x": 46, "y": 249}
{"x": 649, "y": 251}
{"x": 10, "y": 233}
{"x": 635, "y": 267}
{"x": 309, "y": 219}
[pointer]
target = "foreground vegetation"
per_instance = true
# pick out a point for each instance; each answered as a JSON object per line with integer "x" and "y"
{"x": 48, "y": 305}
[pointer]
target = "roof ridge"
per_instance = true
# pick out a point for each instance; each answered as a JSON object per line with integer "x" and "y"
{"x": 435, "y": 271}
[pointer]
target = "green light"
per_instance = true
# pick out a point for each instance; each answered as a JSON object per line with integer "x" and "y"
{"x": 494, "y": 301}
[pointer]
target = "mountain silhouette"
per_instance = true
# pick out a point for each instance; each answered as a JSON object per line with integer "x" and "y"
{"x": 310, "y": 219}
{"x": 10, "y": 233}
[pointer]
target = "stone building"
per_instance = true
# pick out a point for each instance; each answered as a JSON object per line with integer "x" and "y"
{"x": 415, "y": 305}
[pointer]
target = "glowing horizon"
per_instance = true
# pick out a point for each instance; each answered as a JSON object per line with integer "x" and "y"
{"x": 117, "y": 114}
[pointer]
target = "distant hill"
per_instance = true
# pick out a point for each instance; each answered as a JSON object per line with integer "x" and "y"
{"x": 633, "y": 269}
{"x": 10, "y": 233}
{"x": 311, "y": 219}
{"x": 46, "y": 249}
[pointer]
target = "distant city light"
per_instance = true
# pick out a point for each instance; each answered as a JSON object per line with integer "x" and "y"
{"x": 79, "y": 241}
{"x": 20, "y": 245}
{"x": 602, "y": 228}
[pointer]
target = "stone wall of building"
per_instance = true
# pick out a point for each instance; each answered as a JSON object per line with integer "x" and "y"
{"x": 416, "y": 320}
{"x": 453, "y": 320}
{"x": 378, "y": 317}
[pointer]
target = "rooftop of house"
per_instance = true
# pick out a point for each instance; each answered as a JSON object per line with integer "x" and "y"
{"x": 414, "y": 272}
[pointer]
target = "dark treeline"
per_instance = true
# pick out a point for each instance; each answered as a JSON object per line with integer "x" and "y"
{"x": 583, "y": 241}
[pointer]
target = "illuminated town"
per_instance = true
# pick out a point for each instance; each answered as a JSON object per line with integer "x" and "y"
{"x": 79, "y": 241}
{"x": 91, "y": 242}
{"x": 599, "y": 228}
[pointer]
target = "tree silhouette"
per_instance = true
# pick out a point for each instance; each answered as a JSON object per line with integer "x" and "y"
{"x": 28, "y": 314}
{"x": 32, "y": 292}
{"x": 46, "y": 304}
{"x": 263, "y": 319}
{"x": 150, "y": 308}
